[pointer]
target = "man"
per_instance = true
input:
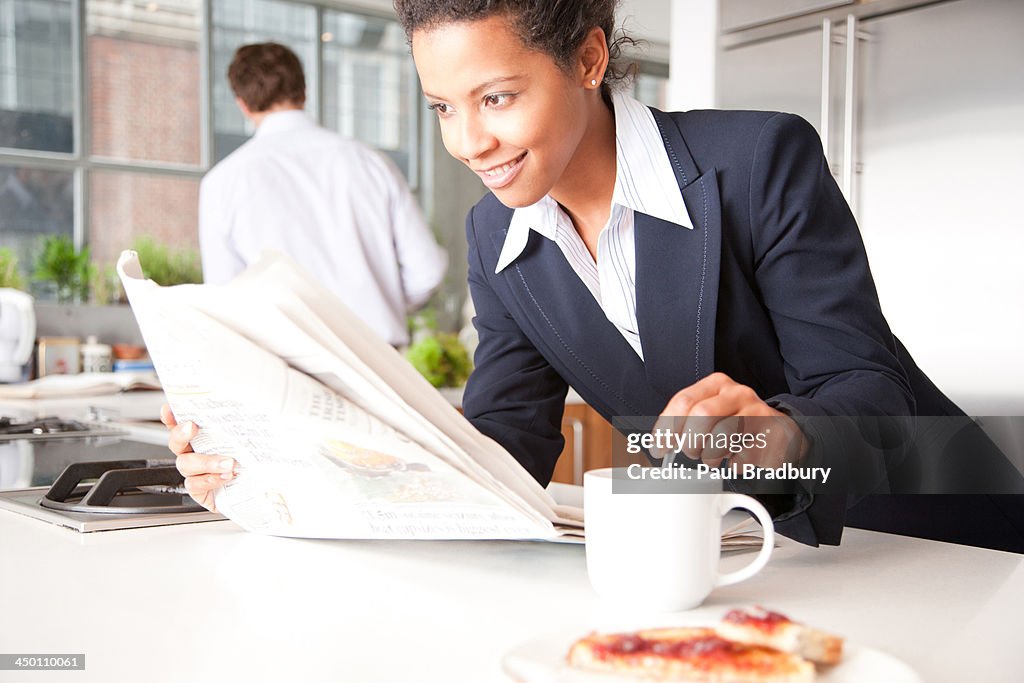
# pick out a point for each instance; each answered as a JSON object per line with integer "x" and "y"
{"x": 337, "y": 207}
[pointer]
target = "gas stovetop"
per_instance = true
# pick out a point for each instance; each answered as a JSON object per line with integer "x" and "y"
{"x": 93, "y": 480}
{"x": 51, "y": 427}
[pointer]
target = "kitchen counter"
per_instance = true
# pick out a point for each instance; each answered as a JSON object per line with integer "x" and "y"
{"x": 138, "y": 414}
{"x": 135, "y": 412}
{"x": 209, "y": 602}
{"x": 129, "y": 406}
{"x": 137, "y": 406}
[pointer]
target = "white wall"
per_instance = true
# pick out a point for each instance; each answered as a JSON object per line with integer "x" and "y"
{"x": 694, "y": 33}
{"x": 647, "y": 20}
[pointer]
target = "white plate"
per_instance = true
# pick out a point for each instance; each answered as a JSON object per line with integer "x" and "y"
{"x": 542, "y": 660}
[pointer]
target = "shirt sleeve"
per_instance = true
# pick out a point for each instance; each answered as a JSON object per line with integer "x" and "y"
{"x": 220, "y": 260}
{"x": 422, "y": 263}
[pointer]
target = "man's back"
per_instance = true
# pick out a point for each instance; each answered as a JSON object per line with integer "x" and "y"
{"x": 334, "y": 205}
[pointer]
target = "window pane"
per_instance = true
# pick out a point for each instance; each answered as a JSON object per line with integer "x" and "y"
{"x": 123, "y": 206}
{"x": 239, "y": 22}
{"x": 34, "y": 203}
{"x": 650, "y": 89}
{"x": 368, "y": 84}
{"x": 36, "y": 93}
{"x": 143, "y": 70}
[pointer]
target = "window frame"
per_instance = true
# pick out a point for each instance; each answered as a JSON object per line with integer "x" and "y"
{"x": 81, "y": 163}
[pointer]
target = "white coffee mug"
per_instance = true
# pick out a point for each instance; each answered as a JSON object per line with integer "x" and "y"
{"x": 658, "y": 548}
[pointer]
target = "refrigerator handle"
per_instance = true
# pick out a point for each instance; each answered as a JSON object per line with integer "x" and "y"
{"x": 826, "y": 87}
{"x": 850, "y": 110}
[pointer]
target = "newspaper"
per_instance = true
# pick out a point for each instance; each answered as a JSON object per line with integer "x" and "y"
{"x": 335, "y": 434}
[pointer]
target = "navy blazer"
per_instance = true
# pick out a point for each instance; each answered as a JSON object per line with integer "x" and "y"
{"x": 771, "y": 287}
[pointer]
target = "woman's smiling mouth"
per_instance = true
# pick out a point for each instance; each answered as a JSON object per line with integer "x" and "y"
{"x": 497, "y": 177}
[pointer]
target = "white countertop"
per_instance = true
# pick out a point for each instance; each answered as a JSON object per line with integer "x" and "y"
{"x": 138, "y": 412}
{"x": 143, "y": 405}
{"x": 209, "y": 602}
{"x": 130, "y": 405}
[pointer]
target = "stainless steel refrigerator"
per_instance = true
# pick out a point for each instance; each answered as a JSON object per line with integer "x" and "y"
{"x": 922, "y": 116}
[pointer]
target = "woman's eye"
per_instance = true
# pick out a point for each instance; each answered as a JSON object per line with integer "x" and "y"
{"x": 497, "y": 100}
{"x": 439, "y": 107}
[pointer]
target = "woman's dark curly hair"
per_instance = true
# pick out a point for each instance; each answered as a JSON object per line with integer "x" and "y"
{"x": 554, "y": 27}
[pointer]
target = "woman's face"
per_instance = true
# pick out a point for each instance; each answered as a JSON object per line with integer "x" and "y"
{"x": 509, "y": 113}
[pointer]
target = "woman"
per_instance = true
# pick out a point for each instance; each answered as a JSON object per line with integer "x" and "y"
{"x": 702, "y": 265}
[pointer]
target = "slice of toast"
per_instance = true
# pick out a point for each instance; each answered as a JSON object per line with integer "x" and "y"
{"x": 697, "y": 655}
{"x": 758, "y": 626}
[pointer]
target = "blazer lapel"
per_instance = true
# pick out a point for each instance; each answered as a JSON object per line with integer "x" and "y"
{"x": 677, "y": 276}
{"x": 568, "y": 321}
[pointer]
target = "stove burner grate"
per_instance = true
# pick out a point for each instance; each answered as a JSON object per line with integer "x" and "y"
{"x": 118, "y": 489}
{"x": 50, "y": 428}
{"x": 42, "y": 425}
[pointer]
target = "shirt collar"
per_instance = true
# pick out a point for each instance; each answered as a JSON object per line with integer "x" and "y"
{"x": 285, "y": 120}
{"x": 644, "y": 181}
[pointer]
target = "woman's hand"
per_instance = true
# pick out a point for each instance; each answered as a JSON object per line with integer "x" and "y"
{"x": 717, "y": 406}
{"x": 204, "y": 474}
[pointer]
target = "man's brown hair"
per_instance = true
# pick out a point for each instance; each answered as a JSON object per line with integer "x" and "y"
{"x": 265, "y": 74}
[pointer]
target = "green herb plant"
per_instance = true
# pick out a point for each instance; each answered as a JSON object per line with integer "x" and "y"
{"x": 106, "y": 287}
{"x": 69, "y": 269}
{"x": 441, "y": 358}
{"x": 167, "y": 267}
{"x": 10, "y": 276}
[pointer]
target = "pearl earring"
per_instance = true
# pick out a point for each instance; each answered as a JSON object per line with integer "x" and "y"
{"x": 593, "y": 81}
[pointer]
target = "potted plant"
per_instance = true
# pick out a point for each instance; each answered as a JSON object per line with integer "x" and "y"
{"x": 10, "y": 276}
{"x": 67, "y": 268}
{"x": 439, "y": 356}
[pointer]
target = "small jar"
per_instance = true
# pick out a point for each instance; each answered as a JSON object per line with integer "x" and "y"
{"x": 96, "y": 357}
{"x": 59, "y": 356}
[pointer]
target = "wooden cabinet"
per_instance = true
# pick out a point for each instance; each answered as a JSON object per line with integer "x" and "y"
{"x": 588, "y": 444}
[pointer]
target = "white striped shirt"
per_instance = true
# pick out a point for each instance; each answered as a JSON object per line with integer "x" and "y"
{"x": 644, "y": 182}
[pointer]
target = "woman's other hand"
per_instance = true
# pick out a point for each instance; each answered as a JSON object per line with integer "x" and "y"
{"x": 204, "y": 474}
{"x": 728, "y": 411}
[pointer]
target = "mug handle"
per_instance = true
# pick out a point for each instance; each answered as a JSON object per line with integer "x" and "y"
{"x": 730, "y": 501}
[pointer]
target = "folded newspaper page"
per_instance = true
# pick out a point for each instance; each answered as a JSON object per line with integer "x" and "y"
{"x": 336, "y": 435}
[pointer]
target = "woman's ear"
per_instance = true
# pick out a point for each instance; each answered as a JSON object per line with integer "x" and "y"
{"x": 592, "y": 60}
